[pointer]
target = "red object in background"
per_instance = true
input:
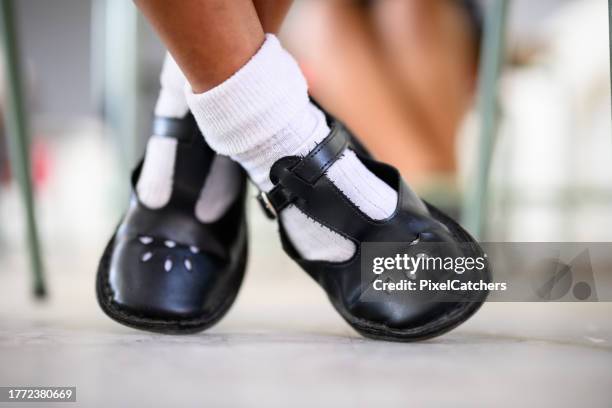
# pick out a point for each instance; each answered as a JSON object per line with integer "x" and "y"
{"x": 40, "y": 159}
{"x": 40, "y": 165}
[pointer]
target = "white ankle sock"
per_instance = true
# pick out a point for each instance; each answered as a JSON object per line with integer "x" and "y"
{"x": 263, "y": 113}
{"x": 220, "y": 189}
{"x": 154, "y": 186}
{"x": 171, "y": 102}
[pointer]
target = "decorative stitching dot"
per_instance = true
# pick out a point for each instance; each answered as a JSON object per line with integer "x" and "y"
{"x": 146, "y": 256}
{"x": 168, "y": 265}
{"x": 188, "y": 265}
{"x": 145, "y": 240}
{"x": 170, "y": 244}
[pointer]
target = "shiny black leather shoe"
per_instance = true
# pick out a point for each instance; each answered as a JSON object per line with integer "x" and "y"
{"x": 164, "y": 270}
{"x": 405, "y": 317}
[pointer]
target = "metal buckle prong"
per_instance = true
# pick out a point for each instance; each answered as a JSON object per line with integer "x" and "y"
{"x": 266, "y": 205}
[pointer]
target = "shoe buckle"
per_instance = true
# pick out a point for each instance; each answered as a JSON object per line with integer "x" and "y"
{"x": 266, "y": 205}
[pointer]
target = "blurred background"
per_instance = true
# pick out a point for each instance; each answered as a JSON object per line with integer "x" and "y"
{"x": 90, "y": 69}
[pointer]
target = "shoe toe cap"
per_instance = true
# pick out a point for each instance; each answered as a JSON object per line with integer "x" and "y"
{"x": 161, "y": 279}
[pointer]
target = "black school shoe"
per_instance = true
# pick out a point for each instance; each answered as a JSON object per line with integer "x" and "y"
{"x": 164, "y": 270}
{"x": 404, "y": 317}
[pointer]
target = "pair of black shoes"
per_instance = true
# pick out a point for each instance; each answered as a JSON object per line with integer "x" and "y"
{"x": 165, "y": 271}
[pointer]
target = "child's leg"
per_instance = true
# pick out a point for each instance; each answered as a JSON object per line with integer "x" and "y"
{"x": 430, "y": 48}
{"x": 154, "y": 186}
{"x": 251, "y": 102}
{"x": 347, "y": 72}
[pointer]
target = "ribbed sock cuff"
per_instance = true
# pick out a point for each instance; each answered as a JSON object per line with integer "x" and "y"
{"x": 256, "y": 102}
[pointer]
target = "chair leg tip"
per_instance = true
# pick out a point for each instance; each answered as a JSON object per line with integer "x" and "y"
{"x": 40, "y": 292}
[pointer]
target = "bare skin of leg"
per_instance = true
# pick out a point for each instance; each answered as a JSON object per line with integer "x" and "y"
{"x": 272, "y": 13}
{"x": 209, "y": 39}
{"x": 431, "y": 51}
{"x": 349, "y": 77}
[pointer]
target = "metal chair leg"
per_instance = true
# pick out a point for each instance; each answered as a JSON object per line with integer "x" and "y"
{"x": 17, "y": 132}
{"x": 491, "y": 60}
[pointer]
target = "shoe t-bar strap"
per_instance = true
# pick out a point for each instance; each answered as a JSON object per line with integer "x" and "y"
{"x": 176, "y": 128}
{"x": 309, "y": 169}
